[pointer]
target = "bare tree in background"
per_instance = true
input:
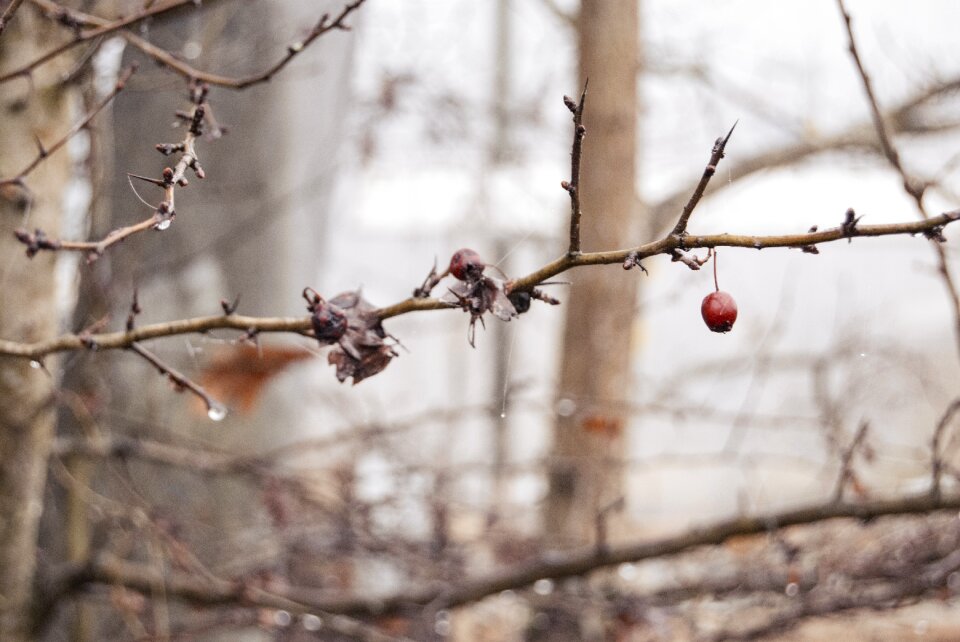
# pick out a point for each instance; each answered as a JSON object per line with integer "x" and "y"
{"x": 595, "y": 369}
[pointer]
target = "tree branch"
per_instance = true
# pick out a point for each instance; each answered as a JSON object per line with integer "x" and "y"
{"x": 168, "y": 60}
{"x": 716, "y": 155}
{"x": 576, "y": 153}
{"x": 666, "y": 246}
{"x": 45, "y": 152}
{"x": 200, "y": 591}
{"x": 8, "y": 12}
{"x": 97, "y": 32}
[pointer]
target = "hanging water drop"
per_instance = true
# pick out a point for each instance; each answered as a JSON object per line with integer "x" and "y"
{"x": 503, "y": 415}
{"x": 311, "y": 622}
{"x": 216, "y": 412}
{"x": 36, "y": 365}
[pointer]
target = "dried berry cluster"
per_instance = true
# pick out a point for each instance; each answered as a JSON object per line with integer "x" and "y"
{"x": 477, "y": 293}
{"x": 350, "y": 322}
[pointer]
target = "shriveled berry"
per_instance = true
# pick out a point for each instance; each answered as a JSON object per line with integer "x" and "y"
{"x": 465, "y": 264}
{"x": 719, "y": 311}
{"x": 520, "y": 301}
{"x": 329, "y": 322}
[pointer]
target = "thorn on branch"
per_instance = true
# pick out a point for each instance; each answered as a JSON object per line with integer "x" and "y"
{"x": 429, "y": 282}
{"x": 135, "y": 309}
{"x": 633, "y": 261}
{"x": 849, "y": 227}
{"x": 228, "y": 307}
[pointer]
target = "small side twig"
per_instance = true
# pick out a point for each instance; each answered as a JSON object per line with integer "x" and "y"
{"x": 171, "y": 178}
{"x": 936, "y": 456}
{"x": 716, "y": 154}
{"x": 45, "y": 152}
{"x": 8, "y": 12}
{"x": 170, "y": 61}
{"x": 914, "y": 188}
{"x": 215, "y": 410}
{"x": 847, "y": 474}
{"x": 105, "y": 27}
{"x": 576, "y": 153}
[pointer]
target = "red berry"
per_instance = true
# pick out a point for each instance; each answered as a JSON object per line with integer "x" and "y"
{"x": 719, "y": 311}
{"x": 466, "y": 264}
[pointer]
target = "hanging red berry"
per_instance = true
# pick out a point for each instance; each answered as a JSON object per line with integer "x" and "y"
{"x": 719, "y": 311}
{"x": 466, "y": 264}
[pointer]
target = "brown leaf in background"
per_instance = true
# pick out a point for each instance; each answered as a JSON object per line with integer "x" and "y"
{"x": 602, "y": 425}
{"x": 238, "y": 375}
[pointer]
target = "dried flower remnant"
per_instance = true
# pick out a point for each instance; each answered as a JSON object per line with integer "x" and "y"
{"x": 351, "y": 323}
{"x": 477, "y": 293}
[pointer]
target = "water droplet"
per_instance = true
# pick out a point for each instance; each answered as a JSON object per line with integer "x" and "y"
{"x": 441, "y": 623}
{"x": 792, "y": 589}
{"x": 192, "y": 50}
{"x": 863, "y": 354}
{"x": 503, "y": 415}
{"x": 627, "y": 572}
{"x": 282, "y": 618}
{"x": 566, "y": 407}
{"x": 543, "y": 587}
{"x": 217, "y": 412}
{"x": 36, "y": 365}
{"x": 311, "y": 622}
{"x": 164, "y": 224}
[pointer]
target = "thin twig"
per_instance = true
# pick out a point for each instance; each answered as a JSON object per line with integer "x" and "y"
{"x": 97, "y": 32}
{"x": 576, "y": 153}
{"x": 913, "y": 188}
{"x": 168, "y": 60}
{"x": 936, "y": 456}
{"x": 886, "y": 144}
{"x": 214, "y": 407}
{"x": 198, "y": 591}
{"x": 716, "y": 154}
{"x": 8, "y": 12}
{"x": 45, "y": 152}
{"x": 171, "y": 179}
{"x": 846, "y": 461}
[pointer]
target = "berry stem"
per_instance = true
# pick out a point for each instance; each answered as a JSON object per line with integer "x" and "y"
{"x": 716, "y": 285}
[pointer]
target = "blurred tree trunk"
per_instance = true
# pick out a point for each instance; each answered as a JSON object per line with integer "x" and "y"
{"x": 595, "y": 368}
{"x": 28, "y": 308}
{"x": 251, "y": 228}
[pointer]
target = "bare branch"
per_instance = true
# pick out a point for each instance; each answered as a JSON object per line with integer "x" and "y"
{"x": 846, "y": 461}
{"x": 8, "y": 12}
{"x": 576, "y": 153}
{"x": 936, "y": 456}
{"x": 196, "y": 590}
{"x": 168, "y": 60}
{"x": 666, "y": 246}
{"x": 45, "y": 152}
{"x": 716, "y": 154}
{"x": 97, "y": 32}
{"x": 913, "y": 188}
